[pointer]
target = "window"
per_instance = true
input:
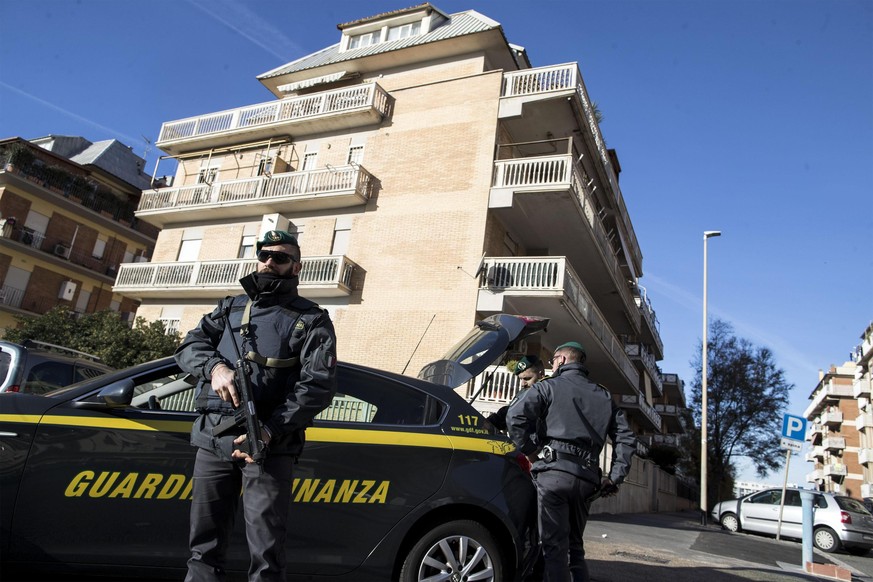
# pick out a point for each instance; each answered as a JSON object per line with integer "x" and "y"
{"x": 309, "y": 160}
{"x": 247, "y": 247}
{"x": 366, "y": 39}
{"x": 364, "y": 398}
{"x": 99, "y": 248}
{"x": 404, "y": 30}
{"x": 208, "y": 174}
{"x": 356, "y": 155}
{"x": 265, "y": 167}
{"x": 190, "y": 250}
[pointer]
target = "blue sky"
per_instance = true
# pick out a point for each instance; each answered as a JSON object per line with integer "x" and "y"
{"x": 754, "y": 118}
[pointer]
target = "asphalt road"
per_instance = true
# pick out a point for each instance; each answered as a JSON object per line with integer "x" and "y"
{"x": 674, "y": 547}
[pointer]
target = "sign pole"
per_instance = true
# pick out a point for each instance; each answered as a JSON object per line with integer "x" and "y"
{"x": 784, "y": 487}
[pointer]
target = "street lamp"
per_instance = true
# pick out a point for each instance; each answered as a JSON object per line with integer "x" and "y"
{"x": 703, "y": 435}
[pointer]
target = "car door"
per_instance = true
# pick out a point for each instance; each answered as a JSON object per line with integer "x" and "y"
{"x": 760, "y": 511}
{"x": 371, "y": 459}
{"x": 107, "y": 485}
{"x": 792, "y": 515}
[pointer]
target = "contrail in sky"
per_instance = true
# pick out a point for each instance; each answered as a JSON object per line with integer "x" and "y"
{"x": 248, "y": 24}
{"x": 130, "y": 141}
{"x": 761, "y": 337}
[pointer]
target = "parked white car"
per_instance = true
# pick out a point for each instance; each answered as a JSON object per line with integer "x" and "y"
{"x": 839, "y": 521}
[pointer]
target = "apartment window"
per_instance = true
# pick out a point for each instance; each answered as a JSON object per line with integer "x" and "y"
{"x": 247, "y": 247}
{"x": 190, "y": 250}
{"x": 99, "y": 248}
{"x": 404, "y": 30}
{"x": 208, "y": 174}
{"x": 356, "y": 155}
{"x": 366, "y": 39}
{"x": 309, "y": 160}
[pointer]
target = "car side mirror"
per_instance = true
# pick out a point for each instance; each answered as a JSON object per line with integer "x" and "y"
{"x": 116, "y": 395}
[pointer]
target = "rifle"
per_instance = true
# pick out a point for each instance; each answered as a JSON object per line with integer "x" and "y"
{"x": 245, "y": 414}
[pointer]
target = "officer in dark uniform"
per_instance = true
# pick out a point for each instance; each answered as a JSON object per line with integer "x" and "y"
{"x": 578, "y": 416}
{"x": 528, "y": 370}
{"x": 291, "y": 347}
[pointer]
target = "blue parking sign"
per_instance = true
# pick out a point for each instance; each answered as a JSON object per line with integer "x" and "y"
{"x": 794, "y": 427}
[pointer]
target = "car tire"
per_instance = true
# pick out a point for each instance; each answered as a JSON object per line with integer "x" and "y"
{"x": 482, "y": 557}
{"x": 730, "y": 522}
{"x": 826, "y": 539}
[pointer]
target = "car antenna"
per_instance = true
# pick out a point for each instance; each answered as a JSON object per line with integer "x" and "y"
{"x": 418, "y": 344}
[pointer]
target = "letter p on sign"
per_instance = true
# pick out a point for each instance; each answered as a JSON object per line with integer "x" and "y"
{"x": 794, "y": 427}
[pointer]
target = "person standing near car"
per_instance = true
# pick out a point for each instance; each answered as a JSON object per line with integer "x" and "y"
{"x": 291, "y": 347}
{"x": 576, "y": 416}
{"x": 529, "y": 370}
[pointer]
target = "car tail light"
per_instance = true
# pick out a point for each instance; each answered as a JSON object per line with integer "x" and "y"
{"x": 845, "y": 517}
{"x": 523, "y": 462}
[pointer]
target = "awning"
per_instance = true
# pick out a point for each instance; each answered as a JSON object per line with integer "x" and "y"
{"x": 297, "y": 85}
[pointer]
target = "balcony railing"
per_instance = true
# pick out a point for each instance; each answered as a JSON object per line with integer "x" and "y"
{"x": 637, "y": 402}
{"x": 865, "y": 456}
{"x": 814, "y": 476}
{"x": 200, "y": 276}
{"x": 866, "y": 490}
{"x": 562, "y": 172}
{"x": 642, "y": 301}
{"x": 832, "y": 417}
{"x": 834, "y": 443}
{"x": 538, "y": 274}
{"x": 638, "y": 350}
{"x": 278, "y": 188}
{"x": 829, "y": 391}
{"x": 51, "y": 245}
{"x": 861, "y": 387}
{"x": 667, "y": 409}
{"x": 559, "y": 78}
{"x": 501, "y": 389}
{"x": 834, "y": 469}
{"x": 291, "y": 109}
{"x": 864, "y": 421}
{"x": 11, "y": 296}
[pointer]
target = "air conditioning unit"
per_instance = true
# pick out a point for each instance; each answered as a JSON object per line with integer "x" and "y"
{"x": 62, "y": 250}
{"x": 68, "y": 291}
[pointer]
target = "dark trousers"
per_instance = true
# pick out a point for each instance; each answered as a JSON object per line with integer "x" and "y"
{"x": 215, "y": 497}
{"x": 563, "y": 513}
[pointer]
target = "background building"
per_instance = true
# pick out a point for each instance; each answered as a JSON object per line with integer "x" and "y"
{"x": 433, "y": 177}
{"x": 67, "y": 208}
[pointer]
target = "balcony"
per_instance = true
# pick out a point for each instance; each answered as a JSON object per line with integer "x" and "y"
{"x": 864, "y": 421}
{"x": 641, "y": 353}
{"x": 58, "y": 252}
{"x": 861, "y": 387}
{"x": 834, "y": 470}
{"x": 865, "y": 456}
{"x": 328, "y": 276}
{"x": 834, "y": 443}
{"x": 816, "y": 433}
{"x": 815, "y": 476}
{"x": 832, "y": 417}
{"x": 335, "y": 110}
{"x": 866, "y": 490}
{"x": 825, "y": 396}
{"x": 501, "y": 389}
{"x": 652, "y": 328}
{"x": 548, "y": 286}
{"x": 546, "y": 201}
{"x": 335, "y": 187}
{"x": 670, "y": 415}
{"x": 636, "y": 407}
{"x": 817, "y": 453}
{"x": 667, "y": 440}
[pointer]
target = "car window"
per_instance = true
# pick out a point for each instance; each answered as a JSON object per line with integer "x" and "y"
{"x": 850, "y": 504}
{"x": 792, "y": 498}
{"x": 5, "y": 359}
{"x": 168, "y": 389}
{"x": 86, "y": 373}
{"x": 46, "y": 376}
{"x": 771, "y": 497}
{"x": 369, "y": 398}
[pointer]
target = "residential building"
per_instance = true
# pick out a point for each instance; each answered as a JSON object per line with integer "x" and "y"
{"x": 433, "y": 177}
{"x": 862, "y": 384}
{"x": 833, "y": 433}
{"x": 67, "y": 208}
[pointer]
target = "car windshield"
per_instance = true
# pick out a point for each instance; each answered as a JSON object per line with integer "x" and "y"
{"x": 853, "y": 505}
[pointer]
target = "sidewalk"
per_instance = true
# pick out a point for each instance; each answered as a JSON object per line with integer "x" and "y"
{"x": 676, "y": 548}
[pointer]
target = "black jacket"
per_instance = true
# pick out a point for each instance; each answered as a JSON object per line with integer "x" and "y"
{"x": 282, "y": 325}
{"x": 578, "y": 416}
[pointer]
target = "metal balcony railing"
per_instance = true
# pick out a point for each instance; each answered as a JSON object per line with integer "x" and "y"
{"x": 640, "y": 351}
{"x": 283, "y": 110}
{"x": 637, "y": 401}
{"x": 328, "y": 270}
{"x": 502, "y": 386}
{"x": 279, "y": 187}
{"x": 536, "y": 274}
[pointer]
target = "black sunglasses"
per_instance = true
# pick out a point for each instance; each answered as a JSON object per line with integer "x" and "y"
{"x": 278, "y": 257}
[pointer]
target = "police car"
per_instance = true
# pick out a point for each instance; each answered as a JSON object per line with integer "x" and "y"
{"x": 401, "y": 478}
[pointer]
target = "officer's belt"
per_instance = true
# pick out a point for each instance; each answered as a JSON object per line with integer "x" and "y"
{"x": 586, "y": 460}
{"x": 272, "y": 362}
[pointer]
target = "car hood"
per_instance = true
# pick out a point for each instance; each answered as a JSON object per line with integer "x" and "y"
{"x": 486, "y": 343}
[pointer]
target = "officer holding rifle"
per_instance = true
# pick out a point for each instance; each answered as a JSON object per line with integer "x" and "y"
{"x": 278, "y": 350}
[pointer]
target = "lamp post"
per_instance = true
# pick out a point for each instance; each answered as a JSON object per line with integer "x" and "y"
{"x": 704, "y": 506}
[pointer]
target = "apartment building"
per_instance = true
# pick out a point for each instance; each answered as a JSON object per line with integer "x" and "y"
{"x": 862, "y": 383}
{"x": 433, "y": 177}
{"x": 67, "y": 214}
{"x": 833, "y": 434}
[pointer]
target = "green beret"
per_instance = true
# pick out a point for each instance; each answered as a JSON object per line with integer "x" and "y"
{"x": 277, "y": 237}
{"x": 575, "y": 345}
{"x": 524, "y": 363}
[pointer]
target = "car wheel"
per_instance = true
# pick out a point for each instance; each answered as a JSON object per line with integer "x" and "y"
{"x": 826, "y": 539}
{"x": 730, "y": 522}
{"x": 457, "y": 550}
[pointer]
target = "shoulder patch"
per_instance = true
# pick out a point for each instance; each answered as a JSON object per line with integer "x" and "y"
{"x": 299, "y": 325}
